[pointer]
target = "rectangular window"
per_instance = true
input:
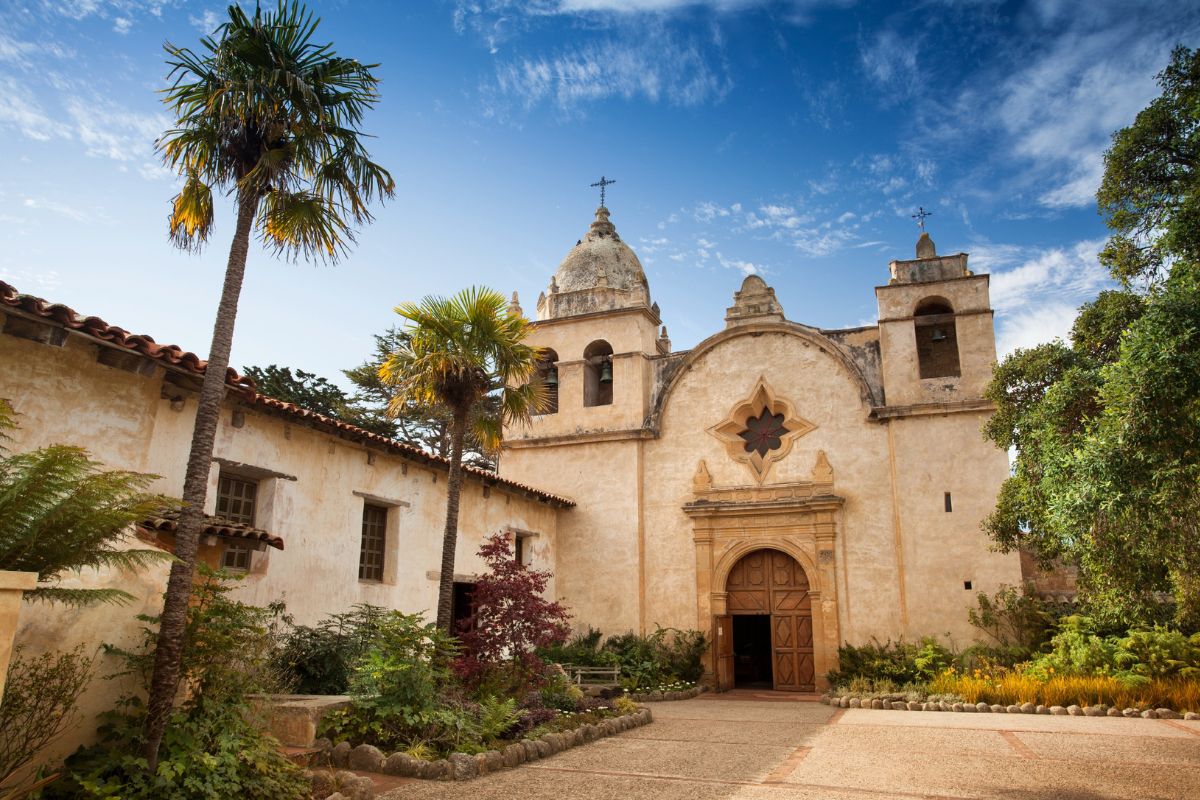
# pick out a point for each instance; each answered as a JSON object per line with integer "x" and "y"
{"x": 949, "y": 504}
{"x": 374, "y": 539}
{"x": 519, "y": 548}
{"x": 235, "y": 502}
{"x": 235, "y": 499}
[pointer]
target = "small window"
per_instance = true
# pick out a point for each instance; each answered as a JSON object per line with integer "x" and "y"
{"x": 519, "y": 548}
{"x": 236, "y": 557}
{"x": 236, "y": 498}
{"x": 967, "y": 585}
{"x": 949, "y": 503}
{"x": 374, "y": 539}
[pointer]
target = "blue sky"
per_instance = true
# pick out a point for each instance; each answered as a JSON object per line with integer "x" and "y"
{"x": 793, "y": 139}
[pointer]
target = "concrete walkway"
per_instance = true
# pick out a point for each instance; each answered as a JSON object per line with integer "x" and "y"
{"x": 745, "y": 746}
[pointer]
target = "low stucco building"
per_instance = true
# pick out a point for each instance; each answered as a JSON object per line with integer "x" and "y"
{"x": 784, "y": 487}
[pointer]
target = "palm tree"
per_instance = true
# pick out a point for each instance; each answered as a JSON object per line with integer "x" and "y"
{"x": 457, "y": 352}
{"x": 272, "y": 119}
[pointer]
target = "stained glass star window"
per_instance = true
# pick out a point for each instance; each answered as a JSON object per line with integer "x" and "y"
{"x": 764, "y": 433}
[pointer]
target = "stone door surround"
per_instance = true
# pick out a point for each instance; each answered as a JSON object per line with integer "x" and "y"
{"x": 798, "y": 519}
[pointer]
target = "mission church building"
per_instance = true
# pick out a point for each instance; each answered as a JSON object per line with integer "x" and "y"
{"x": 785, "y": 487}
{"x": 781, "y": 487}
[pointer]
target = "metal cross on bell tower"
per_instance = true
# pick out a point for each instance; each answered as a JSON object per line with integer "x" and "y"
{"x": 603, "y": 183}
{"x": 921, "y": 215}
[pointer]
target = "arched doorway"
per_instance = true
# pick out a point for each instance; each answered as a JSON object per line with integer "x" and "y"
{"x": 766, "y": 636}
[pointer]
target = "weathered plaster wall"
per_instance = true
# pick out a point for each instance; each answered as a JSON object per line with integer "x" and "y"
{"x": 821, "y": 391}
{"x": 62, "y": 395}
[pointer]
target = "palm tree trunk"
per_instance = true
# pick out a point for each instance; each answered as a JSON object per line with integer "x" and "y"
{"x": 445, "y": 612}
{"x": 173, "y": 624}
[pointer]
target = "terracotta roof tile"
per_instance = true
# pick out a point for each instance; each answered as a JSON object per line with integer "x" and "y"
{"x": 173, "y": 356}
{"x": 214, "y": 526}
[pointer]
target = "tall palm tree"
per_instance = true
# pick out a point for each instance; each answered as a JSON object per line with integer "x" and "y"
{"x": 273, "y": 120}
{"x": 457, "y": 352}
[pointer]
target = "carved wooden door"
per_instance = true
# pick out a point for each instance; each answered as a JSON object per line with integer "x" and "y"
{"x": 791, "y": 625}
{"x": 723, "y": 636}
{"x": 770, "y": 582}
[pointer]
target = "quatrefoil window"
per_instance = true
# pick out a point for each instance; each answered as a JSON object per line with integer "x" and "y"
{"x": 764, "y": 433}
{"x": 759, "y": 430}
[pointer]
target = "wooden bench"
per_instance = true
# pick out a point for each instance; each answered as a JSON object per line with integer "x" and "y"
{"x": 592, "y": 677}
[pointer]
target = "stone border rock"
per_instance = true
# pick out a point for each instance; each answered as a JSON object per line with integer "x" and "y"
{"x": 463, "y": 766}
{"x": 660, "y": 697}
{"x": 848, "y": 701}
{"x": 340, "y": 785}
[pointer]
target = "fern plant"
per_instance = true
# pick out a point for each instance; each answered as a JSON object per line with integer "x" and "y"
{"x": 60, "y": 511}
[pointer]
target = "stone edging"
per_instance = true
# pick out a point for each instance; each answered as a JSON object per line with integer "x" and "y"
{"x": 847, "y": 701}
{"x": 659, "y": 697}
{"x": 464, "y": 767}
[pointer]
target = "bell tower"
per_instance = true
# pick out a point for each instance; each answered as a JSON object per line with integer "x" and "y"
{"x": 601, "y": 333}
{"x": 936, "y": 336}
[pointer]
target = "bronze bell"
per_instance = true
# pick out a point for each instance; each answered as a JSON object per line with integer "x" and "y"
{"x": 606, "y": 372}
{"x": 552, "y": 377}
{"x": 939, "y": 335}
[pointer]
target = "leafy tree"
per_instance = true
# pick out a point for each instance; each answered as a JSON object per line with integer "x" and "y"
{"x": 272, "y": 118}
{"x": 512, "y": 620}
{"x": 60, "y": 511}
{"x": 315, "y": 393}
{"x": 1107, "y": 428}
{"x": 418, "y": 424}
{"x": 455, "y": 352}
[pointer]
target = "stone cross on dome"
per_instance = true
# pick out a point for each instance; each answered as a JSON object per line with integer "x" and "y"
{"x": 603, "y": 183}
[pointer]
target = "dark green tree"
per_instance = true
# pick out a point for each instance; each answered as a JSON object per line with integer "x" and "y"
{"x": 1107, "y": 428}
{"x": 310, "y": 391}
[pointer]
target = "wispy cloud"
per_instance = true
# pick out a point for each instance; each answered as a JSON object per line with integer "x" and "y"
{"x": 1036, "y": 294}
{"x": 56, "y": 207}
{"x": 657, "y": 68}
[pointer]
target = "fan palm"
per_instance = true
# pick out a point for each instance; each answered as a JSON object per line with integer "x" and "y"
{"x": 272, "y": 119}
{"x": 61, "y": 512}
{"x": 457, "y": 352}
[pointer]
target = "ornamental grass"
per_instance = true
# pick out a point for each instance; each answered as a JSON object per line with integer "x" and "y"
{"x": 1005, "y": 687}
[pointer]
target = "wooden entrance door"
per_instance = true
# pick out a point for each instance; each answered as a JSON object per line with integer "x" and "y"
{"x": 723, "y": 636}
{"x": 771, "y": 582}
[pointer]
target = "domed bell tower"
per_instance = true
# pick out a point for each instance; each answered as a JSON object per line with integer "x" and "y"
{"x": 601, "y": 333}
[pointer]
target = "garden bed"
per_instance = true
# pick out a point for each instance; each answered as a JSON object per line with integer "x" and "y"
{"x": 890, "y": 704}
{"x": 465, "y": 766}
{"x": 661, "y": 695}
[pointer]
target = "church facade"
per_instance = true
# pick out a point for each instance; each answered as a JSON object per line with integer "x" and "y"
{"x": 783, "y": 487}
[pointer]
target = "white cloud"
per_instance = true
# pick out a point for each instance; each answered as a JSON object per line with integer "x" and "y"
{"x": 206, "y": 23}
{"x": 1035, "y": 326}
{"x": 122, "y": 25}
{"x": 22, "y": 113}
{"x": 890, "y": 59}
{"x": 658, "y": 69}
{"x": 744, "y": 267}
{"x": 55, "y": 207}
{"x": 110, "y": 131}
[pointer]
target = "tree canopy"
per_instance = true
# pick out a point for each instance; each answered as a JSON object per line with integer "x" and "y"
{"x": 1107, "y": 427}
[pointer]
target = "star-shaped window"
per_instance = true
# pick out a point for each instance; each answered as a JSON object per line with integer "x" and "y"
{"x": 764, "y": 433}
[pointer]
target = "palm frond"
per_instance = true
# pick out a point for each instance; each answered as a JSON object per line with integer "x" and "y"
{"x": 306, "y": 223}
{"x": 81, "y": 597}
{"x": 191, "y": 214}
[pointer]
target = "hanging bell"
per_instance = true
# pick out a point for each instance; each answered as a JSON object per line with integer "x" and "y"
{"x": 939, "y": 335}
{"x": 606, "y": 372}
{"x": 552, "y": 377}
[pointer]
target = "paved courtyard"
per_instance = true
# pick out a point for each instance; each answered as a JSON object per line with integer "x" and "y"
{"x": 763, "y": 747}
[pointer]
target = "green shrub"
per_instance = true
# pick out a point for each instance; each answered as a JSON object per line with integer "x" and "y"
{"x": 1015, "y": 619}
{"x": 319, "y": 659}
{"x": 679, "y": 654}
{"x": 214, "y": 747}
{"x": 898, "y": 662}
{"x": 1078, "y": 649}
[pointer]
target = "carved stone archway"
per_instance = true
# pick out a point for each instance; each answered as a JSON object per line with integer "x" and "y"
{"x": 798, "y": 519}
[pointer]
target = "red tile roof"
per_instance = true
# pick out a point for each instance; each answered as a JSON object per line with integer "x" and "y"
{"x": 174, "y": 357}
{"x": 214, "y": 526}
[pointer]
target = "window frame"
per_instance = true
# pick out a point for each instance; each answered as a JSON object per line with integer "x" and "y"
{"x": 373, "y": 531}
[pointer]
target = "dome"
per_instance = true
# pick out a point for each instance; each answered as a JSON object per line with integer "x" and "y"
{"x": 601, "y": 259}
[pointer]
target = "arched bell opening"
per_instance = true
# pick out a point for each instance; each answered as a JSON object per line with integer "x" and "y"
{"x": 937, "y": 339}
{"x": 765, "y": 638}
{"x": 547, "y": 373}
{"x": 598, "y": 374}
